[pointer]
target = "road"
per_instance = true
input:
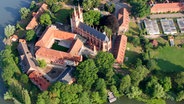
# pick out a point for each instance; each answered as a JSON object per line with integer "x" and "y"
{"x": 174, "y": 15}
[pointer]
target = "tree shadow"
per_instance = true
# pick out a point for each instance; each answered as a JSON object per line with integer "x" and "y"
{"x": 169, "y": 67}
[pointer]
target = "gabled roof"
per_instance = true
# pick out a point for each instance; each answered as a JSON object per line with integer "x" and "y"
{"x": 123, "y": 17}
{"x": 37, "y": 78}
{"x": 120, "y": 48}
{"x": 33, "y": 23}
{"x": 77, "y": 45}
{"x": 93, "y": 32}
{"x": 166, "y": 7}
{"x": 26, "y": 57}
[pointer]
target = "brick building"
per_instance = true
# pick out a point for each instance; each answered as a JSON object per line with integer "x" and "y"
{"x": 123, "y": 19}
{"x": 120, "y": 48}
{"x": 167, "y": 7}
{"x": 96, "y": 40}
{"x": 44, "y": 51}
{"x": 33, "y": 23}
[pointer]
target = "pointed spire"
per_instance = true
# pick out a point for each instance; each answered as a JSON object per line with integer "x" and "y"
{"x": 74, "y": 12}
{"x": 79, "y": 8}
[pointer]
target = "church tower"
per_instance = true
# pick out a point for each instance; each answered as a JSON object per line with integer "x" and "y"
{"x": 77, "y": 17}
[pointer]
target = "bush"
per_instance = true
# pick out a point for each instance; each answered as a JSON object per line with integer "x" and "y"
{"x": 30, "y": 35}
{"x": 42, "y": 63}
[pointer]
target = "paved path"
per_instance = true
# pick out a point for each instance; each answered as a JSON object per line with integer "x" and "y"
{"x": 175, "y": 15}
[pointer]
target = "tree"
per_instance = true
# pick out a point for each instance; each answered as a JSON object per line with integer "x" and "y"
{"x": 140, "y": 8}
{"x": 104, "y": 62}
{"x": 86, "y": 74}
{"x": 51, "y": 2}
{"x": 56, "y": 7}
{"x": 92, "y": 17}
{"x": 111, "y": 22}
{"x": 24, "y": 12}
{"x": 152, "y": 64}
{"x": 84, "y": 98}
{"x": 179, "y": 79}
{"x": 24, "y": 78}
{"x": 45, "y": 19}
{"x": 110, "y": 7}
{"x": 125, "y": 84}
{"x": 32, "y": 5}
{"x": 166, "y": 83}
{"x": 96, "y": 99}
{"x": 9, "y": 30}
{"x": 180, "y": 96}
{"x": 99, "y": 84}
{"x": 134, "y": 92}
{"x": 30, "y": 35}
{"x": 90, "y": 4}
{"x": 154, "y": 88}
{"x": 136, "y": 41}
{"x": 138, "y": 75}
{"x": 115, "y": 91}
{"x": 107, "y": 31}
{"x": 42, "y": 63}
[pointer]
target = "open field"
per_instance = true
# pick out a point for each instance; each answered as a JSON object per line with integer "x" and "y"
{"x": 169, "y": 59}
{"x": 132, "y": 53}
{"x": 63, "y": 16}
{"x": 133, "y": 29}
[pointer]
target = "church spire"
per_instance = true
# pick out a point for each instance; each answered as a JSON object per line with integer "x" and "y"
{"x": 75, "y": 12}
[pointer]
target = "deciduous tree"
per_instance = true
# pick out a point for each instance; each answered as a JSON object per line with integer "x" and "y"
{"x": 9, "y": 30}
{"x": 45, "y": 19}
{"x": 24, "y": 12}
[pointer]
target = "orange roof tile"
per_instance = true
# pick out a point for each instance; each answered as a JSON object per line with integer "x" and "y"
{"x": 22, "y": 40}
{"x": 123, "y": 18}
{"x": 167, "y": 7}
{"x": 33, "y": 23}
{"x": 14, "y": 37}
{"x": 53, "y": 33}
{"x": 120, "y": 48}
{"x": 37, "y": 78}
{"x": 76, "y": 47}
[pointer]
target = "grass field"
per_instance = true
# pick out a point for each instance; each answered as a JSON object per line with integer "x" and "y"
{"x": 133, "y": 28}
{"x": 132, "y": 53}
{"x": 63, "y": 16}
{"x": 55, "y": 46}
{"x": 170, "y": 59}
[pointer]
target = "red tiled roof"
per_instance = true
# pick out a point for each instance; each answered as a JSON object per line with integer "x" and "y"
{"x": 14, "y": 37}
{"x": 46, "y": 41}
{"x": 120, "y": 48}
{"x": 74, "y": 50}
{"x": 22, "y": 40}
{"x": 167, "y": 7}
{"x": 53, "y": 33}
{"x": 37, "y": 78}
{"x": 33, "y": 23}
{"x": 123, "y": 18}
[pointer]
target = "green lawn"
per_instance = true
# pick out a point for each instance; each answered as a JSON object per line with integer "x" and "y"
{"x": 55, "y": 46}
{"x": 63, "y": 16}
{"x": 132, "y": 53}
{"x": 170, "y": 59}
{"x": 133, "y": 28}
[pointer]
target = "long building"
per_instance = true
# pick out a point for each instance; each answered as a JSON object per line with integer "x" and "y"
{"x": 167, "y": 7}
{"x": 34, "y": 21}
{"x": 96, "y": 40}
{"x": 123, "y": 19}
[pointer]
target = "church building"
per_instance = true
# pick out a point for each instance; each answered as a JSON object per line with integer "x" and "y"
{"x": 96, "y": 40}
